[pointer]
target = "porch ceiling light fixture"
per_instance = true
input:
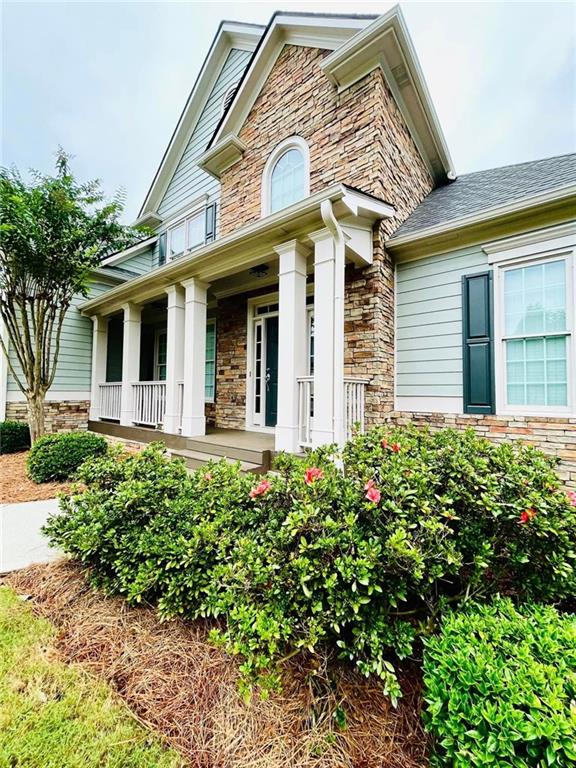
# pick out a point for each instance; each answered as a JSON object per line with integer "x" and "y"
{"x": 260, "y": 271}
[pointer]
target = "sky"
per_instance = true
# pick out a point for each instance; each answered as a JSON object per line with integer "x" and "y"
{"x": 107, "y": 81}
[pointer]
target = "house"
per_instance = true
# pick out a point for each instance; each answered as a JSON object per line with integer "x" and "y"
{"x": 316, "y": 264}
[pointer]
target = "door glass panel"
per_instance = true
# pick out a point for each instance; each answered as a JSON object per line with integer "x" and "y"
{"x": 161, "y": 349}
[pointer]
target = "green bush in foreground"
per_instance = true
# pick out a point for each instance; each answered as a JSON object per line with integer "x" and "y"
{"x": 500, "y": 688}
{"x": 14, "y": 436}
{"x": 58, "y": 456}
{"x": 357, "y": 563}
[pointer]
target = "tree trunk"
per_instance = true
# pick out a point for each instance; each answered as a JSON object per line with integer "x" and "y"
{"x": 36, "y": 416}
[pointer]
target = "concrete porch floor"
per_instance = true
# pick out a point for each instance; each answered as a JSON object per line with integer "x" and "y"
{"x": 237, "y": 438}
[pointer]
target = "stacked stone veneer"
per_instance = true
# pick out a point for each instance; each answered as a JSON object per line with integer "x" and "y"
{"x": 555, "y": 436}
{"x": 357, "y": 138}
{"x": 60, "y": 416}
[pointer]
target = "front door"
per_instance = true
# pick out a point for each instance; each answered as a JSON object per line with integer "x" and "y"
{"x": 271, "y": 400}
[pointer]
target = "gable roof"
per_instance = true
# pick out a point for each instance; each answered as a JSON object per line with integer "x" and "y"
{"x": 359, "y": 44}
{"x": 230, "y": 34}
{"x": 482, "y": 192}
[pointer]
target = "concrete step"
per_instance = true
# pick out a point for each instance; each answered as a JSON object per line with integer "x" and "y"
{"x": 196, "y": 459}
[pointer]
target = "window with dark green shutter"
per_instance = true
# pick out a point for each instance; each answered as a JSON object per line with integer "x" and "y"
{"x": 210, "y": 233}
{"x": 478, "y": 343}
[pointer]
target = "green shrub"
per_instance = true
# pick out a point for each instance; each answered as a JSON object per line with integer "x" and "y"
{"x": 358, "y": 563}
{"x": 500, "y": 688}
{"x": 58, "y": 456}
{"x": 14, "y": 436}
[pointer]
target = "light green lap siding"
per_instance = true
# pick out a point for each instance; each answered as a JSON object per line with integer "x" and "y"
{"x": 190, "y": 181}
{"x": 139, "y": 264}
{"x": 75, "y": 359}
{"x": 429, "y": 323}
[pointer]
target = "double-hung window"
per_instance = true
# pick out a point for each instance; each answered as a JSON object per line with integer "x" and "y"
{"x": 537, "y": 335}
{"x": 186, "y": 234}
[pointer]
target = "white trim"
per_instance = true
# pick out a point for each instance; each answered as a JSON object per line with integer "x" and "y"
{"x": 192, "y": 212}
{"x": 517, "y": 206}
{"x": 218, "y": 158}
{"x": 51, "y": 396}
{"x": 212, "y": 321}
{"x": 293, "y": 142}
{"x": 429, "y": 404}
{"x": 158, "y": 332}
{"x": 531, "y": 243}
{"x": 254, "y": 423}
{"x": 184, "y": 212}
{"x": 525, "y": 257}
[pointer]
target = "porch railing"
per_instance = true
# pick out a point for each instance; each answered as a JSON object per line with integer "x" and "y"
{"x": 354, "y": 406}
{"x": 180, "y": 385}
{"x": 110, "y": 400}
{"x": 149, "y": 402}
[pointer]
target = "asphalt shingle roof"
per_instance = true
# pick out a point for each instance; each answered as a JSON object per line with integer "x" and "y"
{"x": 475, "y": 192}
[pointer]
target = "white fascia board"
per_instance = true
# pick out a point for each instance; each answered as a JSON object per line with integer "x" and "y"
{"x": 229, "y": 35}
{"x": 517, "y": 206}
{"x": 386, "y": 43}
{"x": 134, "y": 250}
{"x": 228, "y": 254}
{"x": 316, "y": 32}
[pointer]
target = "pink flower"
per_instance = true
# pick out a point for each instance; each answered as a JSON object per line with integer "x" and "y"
{"x": 571, "y": 497}
{"x": 312, "y": 474}
{"x": 395, "y": 447}
{"x": 527, "y": 515}
{"x": 262, "y": 488}
{"x": 208, "y": 476}
{"x": 384, "y": 443}
{"x": 372, "y": 493}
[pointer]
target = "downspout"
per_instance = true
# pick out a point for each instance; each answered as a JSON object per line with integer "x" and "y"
{"x": 333, "y": 226}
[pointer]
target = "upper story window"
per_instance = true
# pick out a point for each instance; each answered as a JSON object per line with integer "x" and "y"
{"x": 195, "y": 229}
{"x": 286, "y": 177}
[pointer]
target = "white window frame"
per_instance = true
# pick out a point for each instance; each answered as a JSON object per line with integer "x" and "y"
{"x": 293, "y": 142}
{"x": 521, "y": 252}
{"x": 211, "y": 321}
{"x": 201, "y": 211}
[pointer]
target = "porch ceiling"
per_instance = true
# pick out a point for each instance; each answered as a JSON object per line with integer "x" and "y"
{"x": 248, "y": 246}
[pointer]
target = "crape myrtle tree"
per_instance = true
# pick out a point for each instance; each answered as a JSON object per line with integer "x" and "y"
{"x": 54, "y": 231}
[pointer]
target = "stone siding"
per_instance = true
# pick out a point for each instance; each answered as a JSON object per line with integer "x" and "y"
{"x": 555, "y": 436}
{"x": 231, "y": 349}
{"x": 60, "y": 416}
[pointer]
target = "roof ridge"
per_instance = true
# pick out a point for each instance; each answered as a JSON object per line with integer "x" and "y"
{"x": 516, "y": 165}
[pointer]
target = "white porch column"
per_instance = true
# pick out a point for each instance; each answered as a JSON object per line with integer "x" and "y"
{"x": 99, "y": 352}
{"x": 292, "y": 341}
{"x": 130, "y": 361}
{"x": 328, "y": 423}
{"x": 174, "y": 357}
{"x": 193, "y": 417}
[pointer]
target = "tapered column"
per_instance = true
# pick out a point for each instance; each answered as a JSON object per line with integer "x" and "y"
{"x": 99, "y": 352}
{"x": 292, "y": 341}
{"x": 328, "y": 422}
{"x": 130, "y": 361}
{"x": 174, "y": 359}
{"x": 193, "y": 417}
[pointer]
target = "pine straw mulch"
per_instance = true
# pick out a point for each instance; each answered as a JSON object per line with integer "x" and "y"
{"x": 178, "y": 684}
{"x": 15, "y": 485}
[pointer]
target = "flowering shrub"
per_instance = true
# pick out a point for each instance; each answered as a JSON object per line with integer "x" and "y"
{"x": 500, "y": 685}
{"x": 357, "y": 562}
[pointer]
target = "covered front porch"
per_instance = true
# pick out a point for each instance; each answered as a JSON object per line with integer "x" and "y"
{"x": 246, "y": 333}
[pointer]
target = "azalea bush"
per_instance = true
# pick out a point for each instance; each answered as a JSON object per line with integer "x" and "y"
{"x": 500, "y": 687}
{"x": 356, "y": 559}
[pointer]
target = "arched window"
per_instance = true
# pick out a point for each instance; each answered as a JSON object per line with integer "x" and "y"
{"x": 286, "y": 176}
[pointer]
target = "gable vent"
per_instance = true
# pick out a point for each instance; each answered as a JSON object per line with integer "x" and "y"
{"x": 229, "y": 97}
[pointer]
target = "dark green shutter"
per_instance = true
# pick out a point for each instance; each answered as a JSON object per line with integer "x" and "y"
{"x": 162, "y": 249}
{"x": 210, "y": 233}
{"x": 477, "y": 332}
